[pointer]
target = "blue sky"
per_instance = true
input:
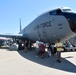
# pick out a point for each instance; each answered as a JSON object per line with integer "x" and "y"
{"x": 12, "y": 10}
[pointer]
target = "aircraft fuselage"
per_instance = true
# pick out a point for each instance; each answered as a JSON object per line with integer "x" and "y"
{"x": 49, "y": 27}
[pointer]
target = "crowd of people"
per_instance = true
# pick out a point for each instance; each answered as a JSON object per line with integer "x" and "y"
{"x": 40, "y": 48}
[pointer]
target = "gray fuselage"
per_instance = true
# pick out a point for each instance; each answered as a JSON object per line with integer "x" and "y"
{"x": 49, "y": 27}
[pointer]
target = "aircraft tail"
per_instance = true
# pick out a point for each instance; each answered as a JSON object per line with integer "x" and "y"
{"x": 20, "y": 24}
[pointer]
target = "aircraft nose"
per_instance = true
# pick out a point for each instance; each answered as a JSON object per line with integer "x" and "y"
{"x": 71, "y": 17}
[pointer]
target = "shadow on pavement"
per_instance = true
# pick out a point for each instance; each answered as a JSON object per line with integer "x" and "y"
{"x": 65, "y": 65}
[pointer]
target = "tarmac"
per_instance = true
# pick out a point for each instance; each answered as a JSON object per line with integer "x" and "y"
{"x": 13, "y": 62}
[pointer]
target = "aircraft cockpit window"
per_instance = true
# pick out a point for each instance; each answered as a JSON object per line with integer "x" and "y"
{"x": 55, "y": 12}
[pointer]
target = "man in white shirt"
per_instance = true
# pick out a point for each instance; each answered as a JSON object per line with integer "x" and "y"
{"x": 37, "y": 47}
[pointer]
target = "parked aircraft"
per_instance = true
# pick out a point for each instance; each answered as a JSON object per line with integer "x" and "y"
{"x": 59, "y": 23}
{"x": 2, "y": 41}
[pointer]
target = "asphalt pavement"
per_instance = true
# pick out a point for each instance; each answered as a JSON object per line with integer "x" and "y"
{"x": 13, "y": 62}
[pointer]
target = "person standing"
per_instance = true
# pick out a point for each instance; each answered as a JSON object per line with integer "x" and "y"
{"x": 42, "y": 48}
{"x": 26, "y": 46}
{"x": 59, "y": 49}
{"x": 37, "y": 47}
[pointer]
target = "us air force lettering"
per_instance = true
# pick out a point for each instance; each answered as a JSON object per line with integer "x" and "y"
{"x": 43, "y": 25}
{"x": 59, "y": 23}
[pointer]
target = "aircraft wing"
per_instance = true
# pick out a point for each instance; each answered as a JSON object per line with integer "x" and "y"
{"x": 17, "y": 36}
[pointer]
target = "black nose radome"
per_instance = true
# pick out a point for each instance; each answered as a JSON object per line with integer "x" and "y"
{"x": 71, "y": 17}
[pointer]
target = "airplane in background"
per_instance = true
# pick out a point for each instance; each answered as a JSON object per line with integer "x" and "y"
{"x": 3, "y": 41}
{"x": 59, "y": 23}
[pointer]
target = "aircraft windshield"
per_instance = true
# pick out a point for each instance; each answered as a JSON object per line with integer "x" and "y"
{"x": 55, "y": 12}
